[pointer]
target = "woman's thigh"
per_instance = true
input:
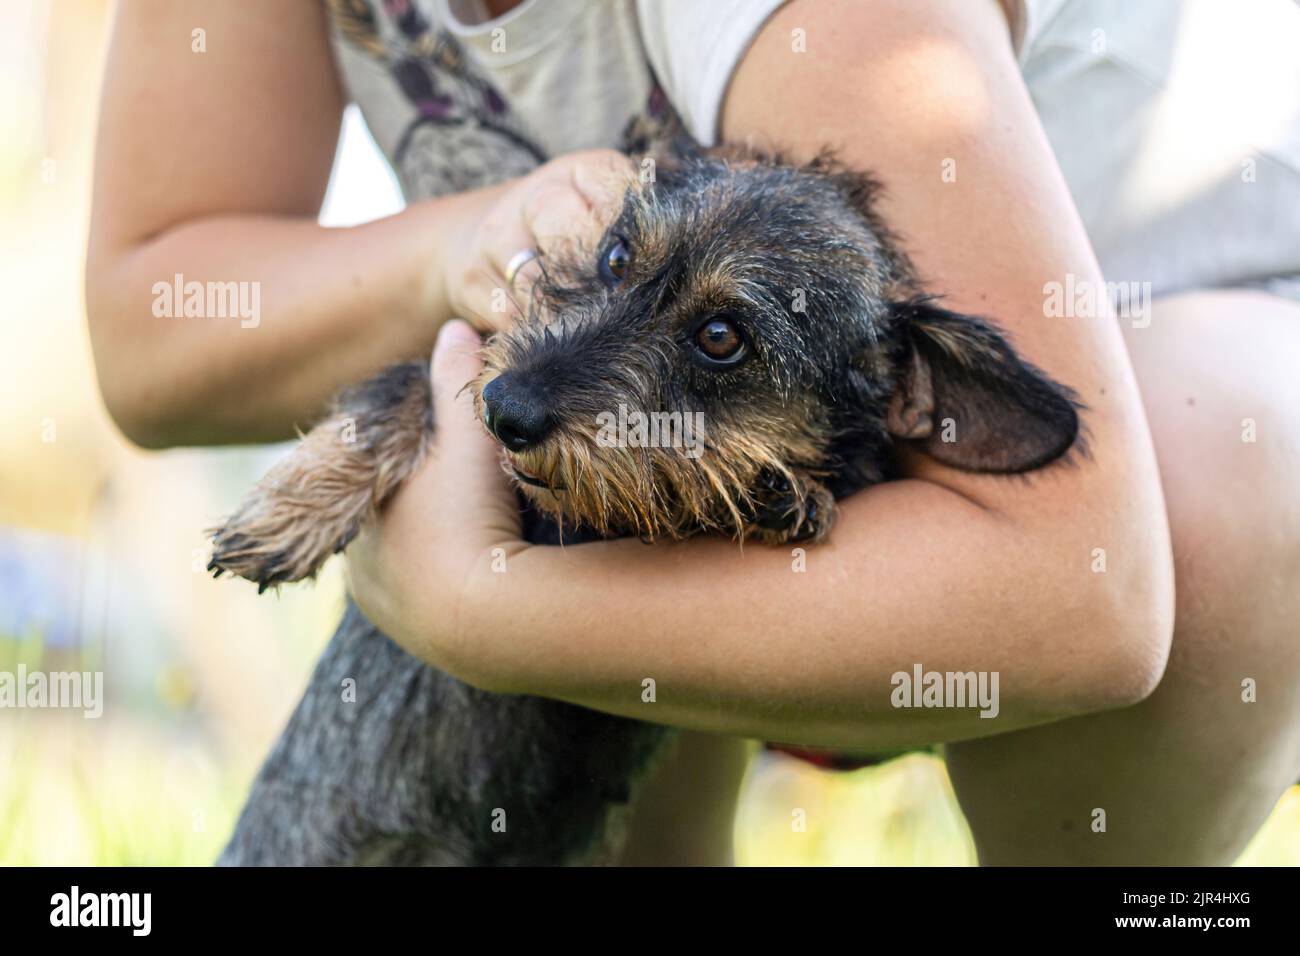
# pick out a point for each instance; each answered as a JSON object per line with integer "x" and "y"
{"x": 1188, "y": 775}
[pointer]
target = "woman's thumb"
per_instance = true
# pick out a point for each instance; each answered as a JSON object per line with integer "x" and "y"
{"x": 455, "y": 364}
{"x": 473, "y": 490}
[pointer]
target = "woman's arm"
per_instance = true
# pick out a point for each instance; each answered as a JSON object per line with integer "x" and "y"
{"x": 213, "y": 165}
{"x": 950, "y": 571}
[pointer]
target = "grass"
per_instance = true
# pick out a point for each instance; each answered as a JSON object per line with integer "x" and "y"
{"x": 81, "y": 792}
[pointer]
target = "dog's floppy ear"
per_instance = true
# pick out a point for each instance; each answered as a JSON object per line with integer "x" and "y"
{"x": 969, "y": 400}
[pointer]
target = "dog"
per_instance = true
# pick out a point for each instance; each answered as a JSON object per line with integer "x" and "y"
{"x": 766, "y": 298}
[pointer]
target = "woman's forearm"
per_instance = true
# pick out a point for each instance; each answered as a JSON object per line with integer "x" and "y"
{"x": 807, "y": 646}
{"x": 318, "y": 308}
{"x": 1057, "y": 583}
{"x": 274, "y": 313}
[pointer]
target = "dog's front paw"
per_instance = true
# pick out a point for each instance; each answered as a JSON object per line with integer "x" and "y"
{"x": 307, "y": 508}
{"x": 785, "y": 512}
{"x": 313, "y": 503}
{"x": 273, "y": 541}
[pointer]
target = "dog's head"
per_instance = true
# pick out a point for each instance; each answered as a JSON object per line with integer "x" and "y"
{"x": 746, "y": 334}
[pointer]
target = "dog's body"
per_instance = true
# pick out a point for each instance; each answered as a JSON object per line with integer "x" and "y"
{"x": 766, "y": 297}
{"x": 423, "y": 769}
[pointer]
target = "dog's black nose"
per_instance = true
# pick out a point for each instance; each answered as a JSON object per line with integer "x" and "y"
{"x": 515, "y": 412}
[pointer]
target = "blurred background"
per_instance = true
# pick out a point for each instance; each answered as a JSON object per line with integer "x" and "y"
{"x": 102, "y": 557}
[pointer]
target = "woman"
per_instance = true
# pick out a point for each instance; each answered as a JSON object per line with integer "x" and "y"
{"x": 1136, "y": 724}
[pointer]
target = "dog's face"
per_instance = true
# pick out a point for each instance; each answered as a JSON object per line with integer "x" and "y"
{"x": 746, "y": 332}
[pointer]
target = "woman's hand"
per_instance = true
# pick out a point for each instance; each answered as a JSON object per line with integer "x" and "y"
{"x": 408, "y": 572}
{"x": 572, "y": 198}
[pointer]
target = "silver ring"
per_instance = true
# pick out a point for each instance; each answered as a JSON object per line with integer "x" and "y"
{"x": 517, "y": 262}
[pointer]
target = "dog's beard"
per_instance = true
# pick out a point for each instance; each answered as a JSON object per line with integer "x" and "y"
{"x": 648, "y": 492}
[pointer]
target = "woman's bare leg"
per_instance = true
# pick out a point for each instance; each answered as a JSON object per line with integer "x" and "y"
{"x": 1187, "y": 776}
{"x": 686, "y": 812}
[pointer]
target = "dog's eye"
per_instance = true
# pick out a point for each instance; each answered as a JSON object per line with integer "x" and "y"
{"x": 719, "y": 342}
{"x": 615, "y": 260}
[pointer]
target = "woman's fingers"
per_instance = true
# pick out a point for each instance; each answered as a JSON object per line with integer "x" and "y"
{"x": 566, "y": 212}
{"x": 580, "y": 202}
{"x": 491, "y": 306}
{"x": 603, "y": 181}
{"x": 556, "y": 214}
{"x": 521, "y": 270}
{"x": 487, "y": 300}
{"x": 552, "y": 216}
{"x": 562, "y": 207}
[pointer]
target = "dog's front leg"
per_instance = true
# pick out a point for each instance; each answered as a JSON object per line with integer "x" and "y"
{"x": 313, "y": 503}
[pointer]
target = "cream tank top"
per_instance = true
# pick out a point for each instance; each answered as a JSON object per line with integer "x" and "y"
{"x": 1175, "y": 122}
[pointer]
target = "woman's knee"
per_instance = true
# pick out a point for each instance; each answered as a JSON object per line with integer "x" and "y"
{"x": 1218, "y": 379}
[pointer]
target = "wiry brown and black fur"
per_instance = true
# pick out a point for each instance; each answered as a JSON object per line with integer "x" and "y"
{"x": 843, "y": 357}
